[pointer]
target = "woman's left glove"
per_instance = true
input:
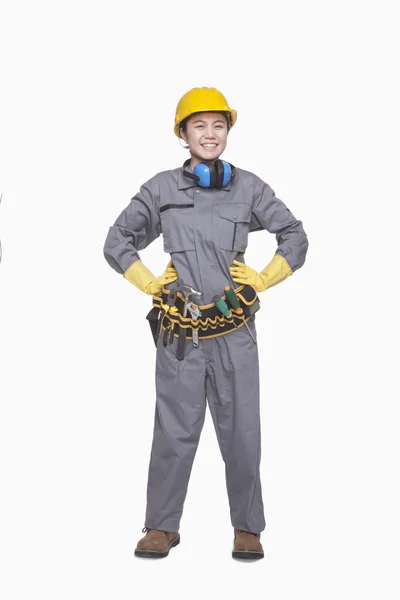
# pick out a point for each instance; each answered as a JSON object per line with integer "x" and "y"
{"x": 275, "y": 272}
{"x": 142, "y": 278}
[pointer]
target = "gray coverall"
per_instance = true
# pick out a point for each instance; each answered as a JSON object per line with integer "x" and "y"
{"x": 204, "y": 230}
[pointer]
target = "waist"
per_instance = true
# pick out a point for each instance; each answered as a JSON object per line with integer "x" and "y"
{"x": 209, "y": 281}
{"x": 211, "y": 321}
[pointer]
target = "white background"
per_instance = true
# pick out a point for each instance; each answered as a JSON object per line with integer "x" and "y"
{"x": 88, "y": 98}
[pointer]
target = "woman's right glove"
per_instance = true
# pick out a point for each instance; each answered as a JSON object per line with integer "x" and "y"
{"x": 144, "y": 280}
{"x": 275, "y": 272}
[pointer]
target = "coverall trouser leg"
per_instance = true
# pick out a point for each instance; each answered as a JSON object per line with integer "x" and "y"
{"x": 223, "y": 371}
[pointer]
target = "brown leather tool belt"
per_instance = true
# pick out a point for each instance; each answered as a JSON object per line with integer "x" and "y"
{"x": 210, "y": 324}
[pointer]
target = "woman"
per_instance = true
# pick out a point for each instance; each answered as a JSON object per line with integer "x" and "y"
{"x": 206, "y": 351}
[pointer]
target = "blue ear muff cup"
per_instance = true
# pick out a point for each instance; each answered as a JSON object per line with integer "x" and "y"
{"x": 203, "y": 172}
{"x": 227, "y": 173}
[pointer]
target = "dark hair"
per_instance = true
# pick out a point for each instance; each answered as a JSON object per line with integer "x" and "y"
{"x": 184, "y": 122}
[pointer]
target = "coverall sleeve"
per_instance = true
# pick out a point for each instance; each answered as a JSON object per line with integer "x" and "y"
{"x": 136, "y": 227}
{"x": 274, "y": 216}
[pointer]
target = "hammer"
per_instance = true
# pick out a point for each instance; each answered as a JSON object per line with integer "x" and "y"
{"x": 188, "y": 292}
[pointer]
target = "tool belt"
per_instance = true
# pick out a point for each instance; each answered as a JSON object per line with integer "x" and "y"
{"x": 211, "y": 323}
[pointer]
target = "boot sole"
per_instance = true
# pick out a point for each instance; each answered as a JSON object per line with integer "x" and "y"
{"x": 154, "y": 553}
{"x": 248, "y": 554}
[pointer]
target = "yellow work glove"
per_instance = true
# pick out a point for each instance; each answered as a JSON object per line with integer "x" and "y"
{"x": 277, "y": 270}
{"x": 142, "y": 278}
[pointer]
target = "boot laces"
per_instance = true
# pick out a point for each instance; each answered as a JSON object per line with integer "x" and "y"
{"x": 146, "y": 529}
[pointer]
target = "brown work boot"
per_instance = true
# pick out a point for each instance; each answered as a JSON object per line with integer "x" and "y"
{"x": 156, "y": 543}
{"x": 247, "y": 545}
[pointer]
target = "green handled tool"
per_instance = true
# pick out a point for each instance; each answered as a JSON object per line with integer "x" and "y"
{"x": 223, "y": 307}
{"x": 234, "y": 302}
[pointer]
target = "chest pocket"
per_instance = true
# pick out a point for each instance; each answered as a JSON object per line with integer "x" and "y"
{"x": 177, "y": 225}
{"x": 233, "y": 225}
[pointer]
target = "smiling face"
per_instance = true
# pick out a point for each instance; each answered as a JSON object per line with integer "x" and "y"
{"x": 206, "y": 135}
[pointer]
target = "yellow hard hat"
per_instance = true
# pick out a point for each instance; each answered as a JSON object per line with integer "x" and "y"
{"x": 202, "y": 100}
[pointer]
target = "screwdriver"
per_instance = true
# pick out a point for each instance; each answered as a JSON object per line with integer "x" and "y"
{"x": 234, "y": 302}
{"x": 223, "y": 307}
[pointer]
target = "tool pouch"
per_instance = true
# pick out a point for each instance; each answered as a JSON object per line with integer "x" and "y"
{"x": 211, "y": 323}
{"x": 152, "y": 318}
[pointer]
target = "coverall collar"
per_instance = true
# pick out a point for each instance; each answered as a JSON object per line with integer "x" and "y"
{"x": 186, "y": 182}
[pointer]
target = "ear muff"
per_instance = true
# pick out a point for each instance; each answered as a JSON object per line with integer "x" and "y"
{"x": 216, "y": 175}
{"x": 229, "y": 172}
